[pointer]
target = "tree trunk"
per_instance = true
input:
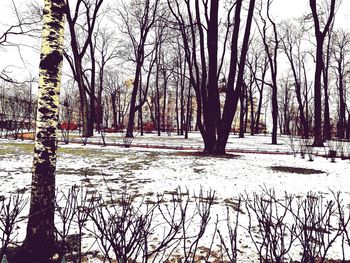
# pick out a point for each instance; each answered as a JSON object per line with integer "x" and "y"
{"x": 318, "y": 138}
{"x": 258, "y": 113}
{"x": 252, "y": 120}
{"x": 114, "y": 110}
{"x": 78, "y": 76}
{"x": 348, "y": 128}
{"x": 232, "y": 95}
{"x": 132, "y": 111}
{"x": 140, "y": 109}
{"x": 157, "y": 110}
{"x": 241, "y": 114}
{"x": 39, "y": 244}
{"x": 177, "y": 106}
{"x": 327, "y": 133}
{"x": 165, "y": 84}
{"x": 342, "y": 104}
{"x": 182, "y": 100}
{"x": 188, "y": 113}
{"x": 320, "y": 37}
{"x": 99, "y": 108}
{"x": 213, "y": 118}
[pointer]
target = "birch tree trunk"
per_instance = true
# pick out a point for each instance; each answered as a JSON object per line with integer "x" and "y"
{"x": 39, "y": 243}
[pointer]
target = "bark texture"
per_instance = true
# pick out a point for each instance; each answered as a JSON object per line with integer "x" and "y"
{"x": 39, "y": 243}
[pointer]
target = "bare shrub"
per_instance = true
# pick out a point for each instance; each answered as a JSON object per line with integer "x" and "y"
{"x": 10, "y": 209}
{"x": 72, "y": 218}
{"x": 292, "y": 143}
{"x": 317, "y": 226}
{"x": 268, "y": 228}
{"x": 204, "y": 203}
{"x": 230, "y": 246}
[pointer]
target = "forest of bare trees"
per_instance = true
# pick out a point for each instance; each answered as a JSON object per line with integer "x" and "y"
{"x": 180, "y": 65}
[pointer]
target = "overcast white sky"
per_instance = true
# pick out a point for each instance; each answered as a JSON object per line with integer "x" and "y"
{"x": 281, "y": 9}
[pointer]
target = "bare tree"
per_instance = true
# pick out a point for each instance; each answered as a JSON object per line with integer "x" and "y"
{"x": 340, "y": 50}
{"x": 79, "y": 45}
{"x": 291, "y": 39}
{"x": 320, "y": 35}
{"x": 271, "y": 45}
{"x": 107, "y": 51}
{"x": 138, "y": 19}
{"x": 202, "y": 33}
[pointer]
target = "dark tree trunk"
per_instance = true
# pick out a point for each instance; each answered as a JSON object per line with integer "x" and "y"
{"x": 158, "y": 117}
{"x": 342, "y": 104}
{"x": 87, "y": 113}
{"x": 164, "y": 113}
{"x": 327, "y": 133}
{"x": 132, "y": 110}
{"x": 99, "y": 108}
{"x": 114, "y": 110}
{"x": 261, "y": 97}
{"x": 320, "y": 37}
{"x": 232, "y": 96}
{"x": 258, "y": 112}
{"x": 348, "y": 128}
{"x": 252, "y": 117}
{"x": 303, "y": 120}
{"x": 213, "y": 91}
{"x": 188, "y": 113}
{"x": 177, "y": 106}
{"x": 318, "y": 138}
{"x": 91, "y": 120}
{"x": 241, "y": 113}
{"x": 246, "y": 109}
{"x": 140, "y": 109}
{"x": 203, "y": 69}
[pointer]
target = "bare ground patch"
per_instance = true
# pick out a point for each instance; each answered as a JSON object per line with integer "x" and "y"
{"x": 296, "y": 170}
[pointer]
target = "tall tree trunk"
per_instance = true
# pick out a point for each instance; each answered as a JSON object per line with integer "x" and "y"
{"x": 261, "y": 91}
{"x": 303, "y": 121}
{"x": 120, "y": 115}
{"x": 241, "y": 113}
{"x": 188, "y": 113}
{"x": 327, "y": 133}
{"x": 114, "y": 109}
{"x": 342, "y": 104}
{"x": 157, "y": 111}
{"x": 177, "y": 106}
{"x": 40, "y": 240}
{"x": 182, "y": 110}
{"x": 213, "y": 91}
{"x": 348, "y": 127}
{"x": 76, "y": 64}
{"x": 232, "y": 95}
{"x": 132, "y": 110}
{"x": 318, "y": 138}
{"x": 140, "y": 109}
{"x": 246, "y": 109}
{"x": 99, "y": 108}
{"x": 251, "y": 100}
{"x": 258, "y": 112}
{"x": 165, "y": 84}
{"x": 182, "y": 96}
{"x": 320, "y": 37}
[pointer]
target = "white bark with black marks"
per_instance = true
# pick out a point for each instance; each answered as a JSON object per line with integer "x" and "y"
{"x": 40, "y": 230}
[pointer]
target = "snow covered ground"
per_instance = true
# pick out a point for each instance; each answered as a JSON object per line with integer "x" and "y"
{"x": 148, "y": 171}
